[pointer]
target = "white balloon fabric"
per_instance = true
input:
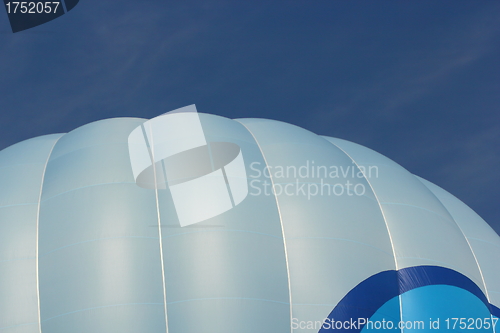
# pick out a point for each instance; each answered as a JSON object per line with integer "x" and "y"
{"x": 199, "y": 223}
{"x": 205, "y": 180}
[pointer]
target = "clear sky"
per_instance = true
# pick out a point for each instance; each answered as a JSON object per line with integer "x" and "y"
{"x": 418, "y": 81}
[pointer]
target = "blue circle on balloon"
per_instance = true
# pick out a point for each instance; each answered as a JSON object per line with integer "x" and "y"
{"x": 421, "y": 298}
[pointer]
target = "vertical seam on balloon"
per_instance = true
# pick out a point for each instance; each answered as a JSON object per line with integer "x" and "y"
{"x": 228, "y": 187}
{"x": 151, "y": 152}
{"x": 470, "y": 247}
{"x": 38, "y": 234}
{"x": 282, "y": 228}
{"x": 386, "y": 226}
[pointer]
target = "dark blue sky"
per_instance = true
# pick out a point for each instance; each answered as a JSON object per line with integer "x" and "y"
{"x": 417, "y": 81}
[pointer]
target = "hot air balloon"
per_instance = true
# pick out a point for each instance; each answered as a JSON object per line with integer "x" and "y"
{"x": 191, "y": 222}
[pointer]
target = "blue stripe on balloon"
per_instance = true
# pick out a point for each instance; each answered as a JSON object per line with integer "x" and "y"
{"x": 368, "y": 296}
{"x": 495, "y": 311}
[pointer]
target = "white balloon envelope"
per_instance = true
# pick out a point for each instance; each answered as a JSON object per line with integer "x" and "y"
{"x": 193, "y": 222}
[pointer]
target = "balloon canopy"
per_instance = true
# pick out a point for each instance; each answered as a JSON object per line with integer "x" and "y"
{"x": 191, "y": 222}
